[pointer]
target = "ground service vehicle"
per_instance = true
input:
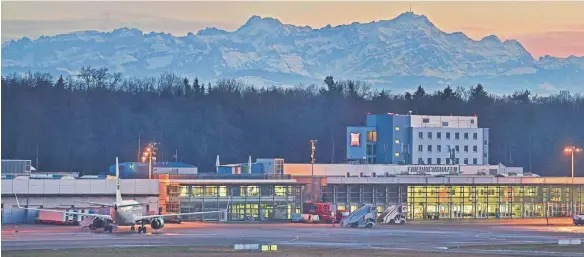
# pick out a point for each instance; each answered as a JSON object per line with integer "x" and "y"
{"x": 362, "y": 217}
{"x": 322, "y": 210}
{"x": 394, "y": 214}
{"x": 578, "y": 219}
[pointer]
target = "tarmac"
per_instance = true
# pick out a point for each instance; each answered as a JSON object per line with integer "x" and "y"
{"x": 421, "y": 236}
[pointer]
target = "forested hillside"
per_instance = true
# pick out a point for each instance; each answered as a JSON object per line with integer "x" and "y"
{"x": 82, "y": 123}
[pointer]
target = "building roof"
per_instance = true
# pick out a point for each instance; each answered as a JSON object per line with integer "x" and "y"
{"x": 173, "y": 165}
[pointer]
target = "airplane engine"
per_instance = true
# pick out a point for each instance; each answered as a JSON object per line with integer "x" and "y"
{"x": 157, "y": 223}
{"x": 99, "y": 223}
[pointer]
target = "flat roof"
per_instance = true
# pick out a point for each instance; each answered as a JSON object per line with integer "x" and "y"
{"x": 229, "y": 181}
{"x": 458, "y": 180}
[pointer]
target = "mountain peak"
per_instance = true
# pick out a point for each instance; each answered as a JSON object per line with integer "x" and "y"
{"x": 259, "y": 21}
{"x": 212, "y": 31}
{"x": 411, "y": 17}
{"x": 492, "y": 39}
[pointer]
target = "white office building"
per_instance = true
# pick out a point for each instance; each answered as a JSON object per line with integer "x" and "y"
{"x": 448, "y": 140}
{"x": 419, "y": 140}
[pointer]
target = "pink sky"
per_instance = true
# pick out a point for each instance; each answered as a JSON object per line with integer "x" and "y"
{"x": 544, "y": 28}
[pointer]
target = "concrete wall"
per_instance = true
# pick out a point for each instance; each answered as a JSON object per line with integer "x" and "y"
{"x": 436, "y": 121}
{"x": 64, "y": 193}
{"x": 78, "y": 186}
{"x": 341, "y": 170}
{"x": 456, "y": 180}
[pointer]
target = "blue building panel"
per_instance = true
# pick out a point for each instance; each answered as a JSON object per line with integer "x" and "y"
{"x": 357, "y": 142}
{"x": 135, "y": 170}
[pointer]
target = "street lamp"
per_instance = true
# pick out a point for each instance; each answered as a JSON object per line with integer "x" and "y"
{"x": 149, "y": 155}
{"x": 313, "y": 149}
{"x": 572, "y": 150}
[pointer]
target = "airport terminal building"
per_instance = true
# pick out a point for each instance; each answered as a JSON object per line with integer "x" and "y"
{"x": 435, "y": 166}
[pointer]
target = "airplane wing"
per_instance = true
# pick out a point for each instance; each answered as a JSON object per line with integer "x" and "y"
{"x": 111, "y": 205}
{"x": 94, "y": 203}
{"x": 102, "y": 216}
{"x": 176, "y": 214}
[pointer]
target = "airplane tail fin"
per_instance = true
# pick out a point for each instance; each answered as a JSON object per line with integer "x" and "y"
{"x": 118, "y": 192}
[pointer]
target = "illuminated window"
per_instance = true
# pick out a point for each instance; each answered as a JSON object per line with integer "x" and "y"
{"x": 372, "y": 136}
{"x": 210, "y": 191}
{"x": 197, "y": 191}
{"x": 397, "y": 141}
{"x": 396, "y": 128}
{"x": 222, "y": 191}
{"x": 280, "y": 190}
{"x": 396, "y": 154}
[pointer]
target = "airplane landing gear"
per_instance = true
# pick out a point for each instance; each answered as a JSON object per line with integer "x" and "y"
{"x": 108, "y": 228}
{"x": 139, "y": 229}
{"x": 144, "y": 230}
{"x": 132, "y": 229}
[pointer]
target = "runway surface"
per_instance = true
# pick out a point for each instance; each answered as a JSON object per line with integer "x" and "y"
{"x": 415, "y": 237}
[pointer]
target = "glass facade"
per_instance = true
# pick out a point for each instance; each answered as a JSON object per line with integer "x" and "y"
{"x": 462, "y": 201}
{"x": 257, "y": 202}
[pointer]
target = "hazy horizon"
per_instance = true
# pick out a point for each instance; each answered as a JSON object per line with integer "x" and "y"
{"x": 543, "y": 28}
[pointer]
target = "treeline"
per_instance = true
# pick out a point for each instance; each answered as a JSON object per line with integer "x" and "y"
{"x": 82, "y": 123}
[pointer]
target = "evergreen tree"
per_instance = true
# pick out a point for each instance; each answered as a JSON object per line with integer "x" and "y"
{"x": 60, "y": 83}
{"x": 420, "y": 93}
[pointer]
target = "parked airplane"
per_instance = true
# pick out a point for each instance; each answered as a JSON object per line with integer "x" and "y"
{"x": 125, "y": 213}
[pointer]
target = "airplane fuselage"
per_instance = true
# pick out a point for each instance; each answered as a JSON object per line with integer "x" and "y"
{"x": 127, "y": 215}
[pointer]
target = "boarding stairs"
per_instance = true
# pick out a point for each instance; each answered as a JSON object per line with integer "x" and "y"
{"x": 392, "y": 215}
{"x": 362, "y": 217}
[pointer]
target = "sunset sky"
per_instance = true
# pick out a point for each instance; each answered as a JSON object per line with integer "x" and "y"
{"x": 544, "y": 28}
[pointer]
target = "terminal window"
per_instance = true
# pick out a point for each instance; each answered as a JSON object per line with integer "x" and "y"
{"x": 474, "y": 148}
{"x": 397, "y": 141}
{"x": 425, "y": 120}
{"x": 420, "y": 161}
{"x": 457, "y": 148}
{"x": 447, "y": 135}
{"x": 429, "y": 148}
{"x": 465, "y": 160}
{"x": 420, "y": 135}
{"x": 474, "y": 161}
{"x": 466, "y": 148}
{"x": 430, "y": 135}
{"x": 439, "y": 148}
{"x": 465, "y": 135}
{"x": 438, "y": 161}
{"x": 475, "y": 136}
{"x": 420, "y": 148}
{"x": 445, "y": 124}
{"x": 429, "y": 161}
{"x": 439, "y": 135}
{"x": 456, "y": 135}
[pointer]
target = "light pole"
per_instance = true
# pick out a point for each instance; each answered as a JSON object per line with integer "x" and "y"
{"x": 148, "y": 155}
{"x": 313, "y": 149}
{"x": 572, "y": 149}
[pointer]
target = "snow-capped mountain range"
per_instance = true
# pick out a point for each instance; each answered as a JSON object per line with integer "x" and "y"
{"x": 399, "y": 54}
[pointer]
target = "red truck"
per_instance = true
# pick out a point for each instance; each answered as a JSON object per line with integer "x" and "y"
{"x": 323, "y": 210}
